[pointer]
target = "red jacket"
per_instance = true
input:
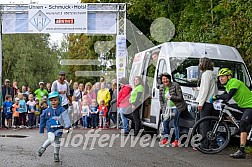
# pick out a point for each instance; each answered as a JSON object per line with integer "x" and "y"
{"x": 103, "y": 110}
{"x": 123, "y": 96}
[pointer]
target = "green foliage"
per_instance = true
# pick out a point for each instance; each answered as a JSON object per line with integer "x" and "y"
{"x": 222, "y": 22}
{"x": 28, "y": 59}
{"x": 212, "y": 21}
{"x": 248, "y": 150}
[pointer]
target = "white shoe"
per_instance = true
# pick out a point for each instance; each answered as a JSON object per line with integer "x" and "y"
{"x": 114, "y": 126}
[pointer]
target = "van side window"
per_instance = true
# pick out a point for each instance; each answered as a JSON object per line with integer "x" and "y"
{"x": 243, "y": 76}
{"x": 185, "y": 71}
{"x": 161, "y": 69}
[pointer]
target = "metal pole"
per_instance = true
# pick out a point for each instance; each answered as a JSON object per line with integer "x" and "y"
{"x": 1, "y": 97}
{"x": 117, "y": 78}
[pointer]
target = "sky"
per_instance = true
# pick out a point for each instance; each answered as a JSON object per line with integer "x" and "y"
{"x": 55, "y": 37}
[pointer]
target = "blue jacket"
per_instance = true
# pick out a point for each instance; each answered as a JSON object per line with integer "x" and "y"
{"x": 51, "y": 118}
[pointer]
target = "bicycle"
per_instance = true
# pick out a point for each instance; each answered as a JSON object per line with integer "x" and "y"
{"x": 216, "y": 135}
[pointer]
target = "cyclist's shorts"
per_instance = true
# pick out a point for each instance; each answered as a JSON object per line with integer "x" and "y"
{"x": 247, "y": 115}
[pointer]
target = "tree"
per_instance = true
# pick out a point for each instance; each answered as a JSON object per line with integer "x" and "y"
{"x": 29, "y": 59}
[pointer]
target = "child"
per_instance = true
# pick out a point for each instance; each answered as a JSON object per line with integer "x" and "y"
{"x": 93, "y": 111}
{"x": 102, "y": 114}
{"x": 7, "y": 110}
{"x": 75, "y": 114}
{"x": 84, "y": 98}
{"x": 37, "y": 112}
{"x": 44, "y": 99}
{"x": 22, "y": 110}
{"x": 15, "y": 107}
{"x": 85, "y": 113}
{"x": 44, "y": 106}
{"x": 31, "y": 111}
{"x": 51, "y": 119}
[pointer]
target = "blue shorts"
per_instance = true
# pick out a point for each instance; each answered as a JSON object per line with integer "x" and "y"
{"x": 8, "y": 116}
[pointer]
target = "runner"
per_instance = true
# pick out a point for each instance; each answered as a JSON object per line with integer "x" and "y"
{"x": 63, "y": 88}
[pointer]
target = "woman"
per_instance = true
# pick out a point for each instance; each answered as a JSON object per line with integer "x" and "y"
{"x": 171, "y": 91}
{"x": 208, "y": 88}
{"x": 135, "y": 104}
{"x": 89, "y": 92}
{"x": 103, "y": 94}
{"x": 113, "y": 108}
{"x": 76, "y": 91}
{"x": 123, "y": 102}
{"x": 81, "y": 89}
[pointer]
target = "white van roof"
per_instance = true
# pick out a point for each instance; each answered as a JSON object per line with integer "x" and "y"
{"x": 198, "y": 50}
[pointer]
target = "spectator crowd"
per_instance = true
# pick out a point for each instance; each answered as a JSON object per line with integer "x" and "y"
{"x": 89, "y": 105}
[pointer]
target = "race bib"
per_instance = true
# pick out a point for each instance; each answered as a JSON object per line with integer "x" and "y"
{"x": 31, "y": 108}
{"x": 8, "y": 110}
{"x": 84, "y": 110}
{"x": 101, "y": 112}
{"x": 21, "y": 106}
{"x": 55, "y": 123}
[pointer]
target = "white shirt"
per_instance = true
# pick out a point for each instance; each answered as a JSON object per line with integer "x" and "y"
{"x": 75, "y": 107}
{"x": 208, "y": 87}
{"x": 31, "y": 105}
{"x": 62, "y": 87}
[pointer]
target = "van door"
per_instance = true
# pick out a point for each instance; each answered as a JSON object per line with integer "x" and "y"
{"x": 155, "y": 105}
{"x": 148, "y": 78}
{"x": 137, "y": 66}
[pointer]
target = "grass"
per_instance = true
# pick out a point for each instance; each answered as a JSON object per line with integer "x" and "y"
{"x": 248, "y": 150}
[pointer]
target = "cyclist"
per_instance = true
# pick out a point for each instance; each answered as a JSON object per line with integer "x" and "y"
{"x": 237, "y": 90}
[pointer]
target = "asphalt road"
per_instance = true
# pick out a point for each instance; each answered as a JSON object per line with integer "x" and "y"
{"x": 82, "y": 149}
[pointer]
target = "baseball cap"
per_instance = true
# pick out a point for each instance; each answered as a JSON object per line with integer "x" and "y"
{"x": 62, "y": 73}
{"x": 16, "y": 99}
{"x": 6, "y": 80}
{"x": 41, "y": 83}
{"x": 36, "y": 99}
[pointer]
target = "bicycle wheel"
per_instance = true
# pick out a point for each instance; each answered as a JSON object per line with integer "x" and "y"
{"x": 213, "y": 136}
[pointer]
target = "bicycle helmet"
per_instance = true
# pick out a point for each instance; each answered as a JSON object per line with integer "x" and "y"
{"x": 224, "y": 71}
{"x": 52, "y": 95}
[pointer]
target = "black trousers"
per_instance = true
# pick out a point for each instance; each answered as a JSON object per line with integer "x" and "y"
{"x": 207, "y": 110}
{"x": 16, "y": 121}
{"x": 3, "y": 119}
{"x": 135, "y": 119}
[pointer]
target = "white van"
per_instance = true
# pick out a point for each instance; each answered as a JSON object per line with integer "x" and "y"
{"x": 181, "y": 59}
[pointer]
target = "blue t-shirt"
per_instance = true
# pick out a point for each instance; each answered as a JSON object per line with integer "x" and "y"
{"x": 93, "y": 109}
{"x": 22, "y": 106}
{"x": 7, "y": 107}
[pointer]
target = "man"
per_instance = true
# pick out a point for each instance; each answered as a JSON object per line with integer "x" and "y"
{"x": 24, "y": 92}
{"x": 63, "y": 88}
{"x": 237, "y": 90}
{"x": 41, "y": 92}
{"x": 48, "y": 87}
{"x": 155, "y": 56}
{"x": 6, "y": 90}
{"x": 102, "y": 80}
{"x": 1, "y": 111}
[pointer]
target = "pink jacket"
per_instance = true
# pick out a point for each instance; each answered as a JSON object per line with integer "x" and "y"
{"x": 91, "y": 95}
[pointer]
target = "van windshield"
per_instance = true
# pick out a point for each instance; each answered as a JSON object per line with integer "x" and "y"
{"x": 185, "y": 71}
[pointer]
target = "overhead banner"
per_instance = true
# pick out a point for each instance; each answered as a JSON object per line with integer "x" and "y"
{"x": 65, "y": 18}
{"x": 121, "y": 55}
